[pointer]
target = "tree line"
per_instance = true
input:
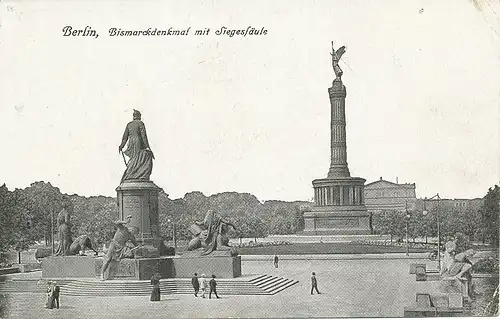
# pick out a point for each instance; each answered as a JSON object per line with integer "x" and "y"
{"x": 478, "y": 224}
{"x": 29, "y": 215}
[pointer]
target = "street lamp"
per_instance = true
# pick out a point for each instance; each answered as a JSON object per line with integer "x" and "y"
{"x": 406, "y": 229}
{"x": 174, "y": 238}
{"x": 52, "y": 229}
{"x": 424, "y": 212}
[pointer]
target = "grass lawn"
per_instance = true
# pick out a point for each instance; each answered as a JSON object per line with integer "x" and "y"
{"x": 483, "y": 295}
{"x": 325, "y": 248}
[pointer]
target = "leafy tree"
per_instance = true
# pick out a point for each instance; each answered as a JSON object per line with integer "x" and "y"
{"x": 390, "y": 223}
{"x": 8, "y": 212}
{"x": 94, "y": 216}
{"x": 43, "y": 201}
{"x": 490, "y": 214}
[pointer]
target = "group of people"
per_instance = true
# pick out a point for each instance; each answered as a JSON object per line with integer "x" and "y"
{"x": 201, "y": 283}
{"x": 197, "y": 283}
{"x": 52, "y": 295}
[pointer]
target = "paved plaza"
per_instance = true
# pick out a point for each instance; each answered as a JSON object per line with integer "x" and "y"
{"x": 349, "y": 288}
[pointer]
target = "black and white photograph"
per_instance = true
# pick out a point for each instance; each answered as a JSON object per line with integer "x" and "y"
{"x": 249, "y": 159}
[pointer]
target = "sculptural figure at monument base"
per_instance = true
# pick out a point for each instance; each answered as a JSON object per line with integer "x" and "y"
{"x": 64, "y": 229}
{"x": 211, "y": 235}
{"x": 80, "y": 244}
{"x": 118, "y": 248}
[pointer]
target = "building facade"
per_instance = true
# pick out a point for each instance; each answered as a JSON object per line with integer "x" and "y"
{"x": 450, "y": 205}
{"x": 383, "y": 195}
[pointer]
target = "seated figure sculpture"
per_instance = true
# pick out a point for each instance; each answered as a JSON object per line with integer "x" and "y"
{"x": 118, "y": 248}
{"x": 211, "y": 234}
{"x": 457, "y": 265}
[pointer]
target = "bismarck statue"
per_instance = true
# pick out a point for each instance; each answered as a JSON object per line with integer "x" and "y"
{"x": 140, "y": 164}
{"x": 211, "y": 235}
{"x": 137, "y": 195}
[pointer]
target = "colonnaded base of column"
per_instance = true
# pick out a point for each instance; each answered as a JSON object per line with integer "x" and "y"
{"x": 341, "y": 221}
{"x": 338, "y": 209}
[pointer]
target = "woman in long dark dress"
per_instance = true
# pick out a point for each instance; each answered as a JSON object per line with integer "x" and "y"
{"x": 155, "y": 281}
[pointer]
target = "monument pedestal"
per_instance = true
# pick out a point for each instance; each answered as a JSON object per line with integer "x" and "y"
{"x": 141, "y": 268}
{"x": 220, "y": 266}
{"x": 136, "y": 269}
{"x": 68, "y": 267}
{"x": 90, "y": 267}
{"x": 139, "y": 198}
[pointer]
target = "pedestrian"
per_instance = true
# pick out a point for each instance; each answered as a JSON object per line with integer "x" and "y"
{"x": 276, "y": 261}
{"x": 196, "y": 284}
{"x": 50, "y": 296}
{"x": 213, "y": 285}
{"x": 155, "y": 281}
{"x": 314, "y": 283}
{"x": 203, "y": 285}
{"x": 55, "y": 295}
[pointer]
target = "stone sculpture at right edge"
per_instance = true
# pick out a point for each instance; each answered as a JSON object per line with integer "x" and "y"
{"x": 339, "y": 207}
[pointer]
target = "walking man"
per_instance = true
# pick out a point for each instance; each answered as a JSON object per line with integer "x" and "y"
{"x": 196, "y": 284}
{"x": 213, "y": 284}
{"x": 203, "y": 285}
{"x": 56, "y": 295}
{"x": 314, "y": 283}
{"x": 275, "y": 261}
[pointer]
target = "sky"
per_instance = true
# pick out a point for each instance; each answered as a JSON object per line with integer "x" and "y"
{"x": 252, "y": 114}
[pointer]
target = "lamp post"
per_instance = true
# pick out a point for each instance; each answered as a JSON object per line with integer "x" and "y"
{"x": 174, "y": 238}
{"x": 407, "y": 218}
{"x": 52, "y": 229}
{"x": 424, "y": 212}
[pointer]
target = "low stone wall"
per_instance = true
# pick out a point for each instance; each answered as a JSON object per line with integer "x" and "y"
{"x": 10, "y": 270}
{"x": 327, "y": 238}
{"x": 28, "y": 267}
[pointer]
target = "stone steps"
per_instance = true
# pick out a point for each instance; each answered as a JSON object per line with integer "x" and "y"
{"x": 271, "y": 284}
{"x": 260, "y": 285}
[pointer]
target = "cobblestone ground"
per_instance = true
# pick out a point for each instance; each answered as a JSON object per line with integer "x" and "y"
{"x": 349, "y": 288}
